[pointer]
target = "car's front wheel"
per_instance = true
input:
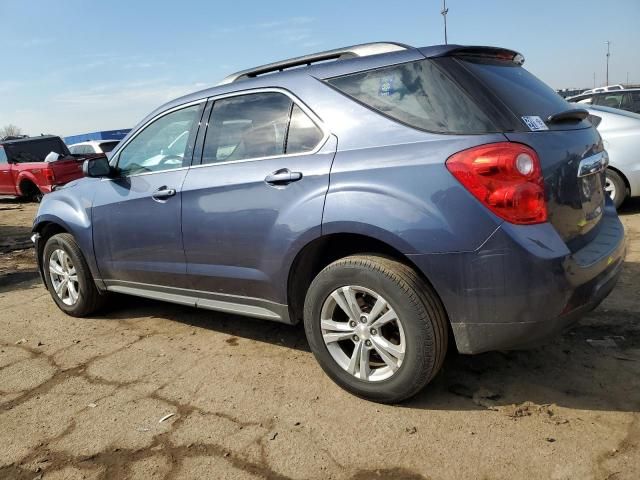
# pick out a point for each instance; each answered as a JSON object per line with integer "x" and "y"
{"x": 68, "y": 277}
{"x": 376, "y": 328}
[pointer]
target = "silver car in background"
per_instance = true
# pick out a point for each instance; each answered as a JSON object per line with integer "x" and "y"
{"x": 620, "y": 131}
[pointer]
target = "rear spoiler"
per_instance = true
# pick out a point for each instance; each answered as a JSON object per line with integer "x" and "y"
{"x": 495, "y": 53}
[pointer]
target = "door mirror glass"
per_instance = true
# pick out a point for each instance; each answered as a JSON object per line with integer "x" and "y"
{"x": 96, "y": 167}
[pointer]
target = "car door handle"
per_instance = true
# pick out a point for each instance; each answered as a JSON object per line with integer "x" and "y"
{"x": 163, "y": 193}
{"x": 283, "y": 177}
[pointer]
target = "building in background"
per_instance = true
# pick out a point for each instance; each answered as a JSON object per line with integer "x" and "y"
{"x": 104, "y": 135}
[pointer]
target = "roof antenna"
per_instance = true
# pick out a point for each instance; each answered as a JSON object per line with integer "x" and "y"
{"x": 444, "y": 12}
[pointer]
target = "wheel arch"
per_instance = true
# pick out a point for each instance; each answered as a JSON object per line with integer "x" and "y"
{"x": 27, "y": 185}
{"x": 322, "y": 251}
{"x": 46, "y": 229}
{"x": 623, "y": 176}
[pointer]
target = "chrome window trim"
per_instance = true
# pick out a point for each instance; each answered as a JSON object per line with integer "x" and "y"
{"x": 296, "y": 101}
{"x": 310, "y": 113}
{"x": 115, "y": 156}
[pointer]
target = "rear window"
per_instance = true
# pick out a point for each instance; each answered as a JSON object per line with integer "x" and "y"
{"x": 418, "y": 94}
{"x": 34, "y": 151}
{"x": 522, "y": 92}
{"x": 108, "y": 146}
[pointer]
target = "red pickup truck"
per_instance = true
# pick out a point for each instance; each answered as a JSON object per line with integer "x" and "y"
{"x": 23, "y": 171}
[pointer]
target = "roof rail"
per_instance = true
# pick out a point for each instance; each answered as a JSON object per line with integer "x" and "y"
{"x": 362, "y": 50}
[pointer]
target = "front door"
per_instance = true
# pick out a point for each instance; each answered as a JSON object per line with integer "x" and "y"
{"x": 137, "y": 214}
{"x": 258, "y": 194}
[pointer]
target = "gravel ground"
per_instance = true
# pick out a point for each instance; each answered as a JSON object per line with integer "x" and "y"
{"x": 154, "y": 390}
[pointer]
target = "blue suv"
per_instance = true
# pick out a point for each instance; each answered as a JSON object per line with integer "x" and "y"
{"x": 395, "y": 199}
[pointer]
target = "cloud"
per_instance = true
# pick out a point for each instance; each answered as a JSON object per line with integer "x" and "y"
{"x": 286, "y": 22}
{"x": 101, "y": 107}
{"x": 288, "y": 30}
{"x": 34, "y": 42}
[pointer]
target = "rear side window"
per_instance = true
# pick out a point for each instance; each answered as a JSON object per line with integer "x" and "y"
{"x": 418, "y": 94}
{"x": 523, "y": 93}
{"x": 304, "y": 135}
{"x": 3, "y": 156}
{"x": 107, "y": 146}
{"x": 258, "y": 125}
{"x": 634, "y": 102}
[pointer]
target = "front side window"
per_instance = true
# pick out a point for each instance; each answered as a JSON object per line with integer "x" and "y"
{"x": 162, "y": 145}
{"x": 612, "y": 100}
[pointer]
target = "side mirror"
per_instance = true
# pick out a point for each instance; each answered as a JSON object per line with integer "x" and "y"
{"x": 96, "y": 167}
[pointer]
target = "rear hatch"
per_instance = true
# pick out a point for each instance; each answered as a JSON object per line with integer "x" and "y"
{"x": 530, "y": 112}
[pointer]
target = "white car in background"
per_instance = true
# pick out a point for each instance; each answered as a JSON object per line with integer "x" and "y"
{"x": 608, "y": 88}
{"x": 93, "y": 146}
{"x": 620, "y": 131}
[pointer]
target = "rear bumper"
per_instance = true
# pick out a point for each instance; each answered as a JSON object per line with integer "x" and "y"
{"x": 523, "y": 284}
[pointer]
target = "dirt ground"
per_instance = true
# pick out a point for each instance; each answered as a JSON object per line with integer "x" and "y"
{"x": 153, "y": 390}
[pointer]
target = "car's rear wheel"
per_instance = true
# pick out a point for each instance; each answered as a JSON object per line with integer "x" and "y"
{"x": 376, "y": 328}
{"x": 68, "y": 277}
{"x": 615, "y": 187}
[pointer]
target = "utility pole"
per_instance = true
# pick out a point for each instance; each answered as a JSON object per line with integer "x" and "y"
{"x": 627, "y": 78}
{"x": 444, "y": 12}
{"x": 594, "y": 79}
{"x": 608, "y": 55}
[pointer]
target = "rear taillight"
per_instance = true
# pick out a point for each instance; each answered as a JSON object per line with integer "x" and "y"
{"x": 50, "y": 176}
{"x": 506, "y": 177}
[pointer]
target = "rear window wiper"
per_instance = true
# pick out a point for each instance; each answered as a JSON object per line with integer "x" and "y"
{"x": 568, "y": 115}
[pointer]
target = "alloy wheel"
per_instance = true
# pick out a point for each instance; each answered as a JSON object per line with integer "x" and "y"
{"x": 610, "y": 188}
{"x": 64, "y": 278}
{"x": 363, "y": 333}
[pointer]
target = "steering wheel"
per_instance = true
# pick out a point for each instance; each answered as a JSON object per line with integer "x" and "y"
{"x": 169, "y": 158}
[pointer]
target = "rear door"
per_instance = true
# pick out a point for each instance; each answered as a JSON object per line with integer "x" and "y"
{"x": 258, "y": 194}
{"x": 7, "y": 183}
{"x": 570, "y": 151}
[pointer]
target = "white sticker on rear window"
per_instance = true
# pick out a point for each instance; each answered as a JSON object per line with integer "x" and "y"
{"x": 535, "y": 123}
{"x": 386, "y": 87}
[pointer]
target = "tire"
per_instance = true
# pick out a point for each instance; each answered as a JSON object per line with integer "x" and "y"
{"x": 421, "y": 329}
{"x": 615, "y": 187}
{"x": 31, "y": 192}
{"x": 88, "y": 300}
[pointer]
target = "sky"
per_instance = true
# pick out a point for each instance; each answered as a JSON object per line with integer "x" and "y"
{"x": 75, "y": 66}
